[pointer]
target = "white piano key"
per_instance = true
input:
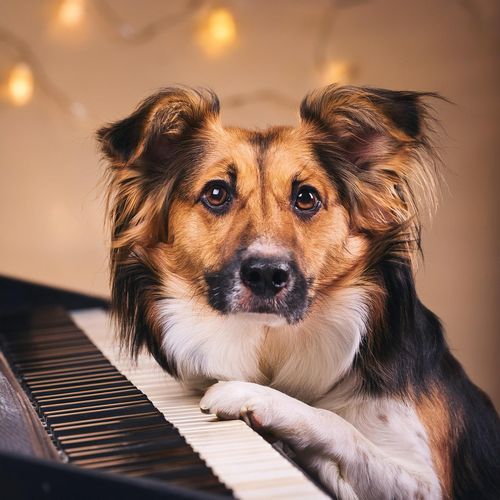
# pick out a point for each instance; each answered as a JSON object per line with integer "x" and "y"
{"x": 241, "y": 458}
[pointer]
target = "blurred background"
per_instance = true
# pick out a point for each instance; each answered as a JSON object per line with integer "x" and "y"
{"x": 66, "y": 67}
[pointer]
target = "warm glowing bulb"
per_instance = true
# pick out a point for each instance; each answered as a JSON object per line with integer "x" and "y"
{"x": 221, "y": 27}
{"x": 71, "y": 12}
{"x": 218, "y": 31}
{"x": 20, "y": 85}
{"x": 337, "y": 72}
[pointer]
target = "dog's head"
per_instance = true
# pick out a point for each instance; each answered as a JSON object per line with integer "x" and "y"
{"x": 259, "y": 223}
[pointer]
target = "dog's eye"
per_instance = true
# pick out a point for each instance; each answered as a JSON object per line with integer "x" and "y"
{"x": 307, "y": 200}
{"x": 216, "y": 196}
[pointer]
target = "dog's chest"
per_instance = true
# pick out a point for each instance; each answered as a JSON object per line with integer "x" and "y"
{"x": 300, "y": 362}
{"x": 304, "y": 360}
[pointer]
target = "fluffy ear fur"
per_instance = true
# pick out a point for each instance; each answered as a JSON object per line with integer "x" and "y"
{"x": 149, "y": 154}
{"x": 376, "y": 147}
{"x": 160, "y": 119}
{"x": 147, "y": 158}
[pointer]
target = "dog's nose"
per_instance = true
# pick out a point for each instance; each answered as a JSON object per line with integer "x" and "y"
{"x": 265, "y": 276}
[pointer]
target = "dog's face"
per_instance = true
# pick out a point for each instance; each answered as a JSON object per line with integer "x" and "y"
{"x": 258, "y": 223}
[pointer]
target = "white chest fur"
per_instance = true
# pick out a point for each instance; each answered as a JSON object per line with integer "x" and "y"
{"x": 304, "y": 361}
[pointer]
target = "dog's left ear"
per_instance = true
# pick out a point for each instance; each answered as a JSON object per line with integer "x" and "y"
{"x": 375, "y": 143}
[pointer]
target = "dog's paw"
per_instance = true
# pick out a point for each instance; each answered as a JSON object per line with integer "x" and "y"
{"x": 259, "y": 406}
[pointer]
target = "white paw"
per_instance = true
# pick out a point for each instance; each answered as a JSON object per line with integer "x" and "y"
{"x": 259, "y": 406}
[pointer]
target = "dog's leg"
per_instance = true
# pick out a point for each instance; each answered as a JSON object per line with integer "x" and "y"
{"x": 328, "y": 472}
{"x": 338, "y": 452}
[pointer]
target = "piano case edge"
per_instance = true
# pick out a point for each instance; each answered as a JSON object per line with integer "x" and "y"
{"x": 29, "y": 478}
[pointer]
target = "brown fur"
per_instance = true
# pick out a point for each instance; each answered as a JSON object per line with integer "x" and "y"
{"x": 434, "y": 413}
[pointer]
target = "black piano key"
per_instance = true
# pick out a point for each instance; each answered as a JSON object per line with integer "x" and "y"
{"x": 83, "y": 363}
{"x": 84, "y": 415}
{"x": 102, "y": 400}
{"x": 109, "y": 439}
{"x": 113, "y": 432}
{"x": 98, "y": 367}
{"x": 117, "y": 384}
{"x": 124, "y": 439}
{"x": 93, "y": 422}
{"x": 171, "y": 451}
{"x": 110, "y": 425}
{"x": 96, "y": 417}
{"x": 52, "y": 365}
{"x": 169, "y": 448}
{"x": 74, "y": 378}
{"x": 94, "y": 410}
{"x": 174, "y": 469}
{"x": 145, "y": 462}
{"x": 83, "y": 395}
{"x": 49, "y": 357}
{"x": 83, "y": 380}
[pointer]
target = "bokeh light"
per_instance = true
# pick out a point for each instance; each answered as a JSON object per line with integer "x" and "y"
{"x": 20, "y": 84}
{"x": 217, "y": 32}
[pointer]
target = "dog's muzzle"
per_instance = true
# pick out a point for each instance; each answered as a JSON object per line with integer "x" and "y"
{"x": 253, "y": 283}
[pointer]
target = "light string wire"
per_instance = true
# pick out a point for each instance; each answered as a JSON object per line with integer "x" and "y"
{"x": 122, "y": 31}
{"x": 126, "y": 32}
{"x": 24, "y": 53}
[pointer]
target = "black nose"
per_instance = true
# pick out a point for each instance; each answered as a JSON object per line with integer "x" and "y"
{"x": 265, "y": 276}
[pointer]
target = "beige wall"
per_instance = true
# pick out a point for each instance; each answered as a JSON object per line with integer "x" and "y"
{"x": 50, "y": 209}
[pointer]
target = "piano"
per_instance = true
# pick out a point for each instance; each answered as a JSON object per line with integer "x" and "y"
{"x": 79, "y": 419}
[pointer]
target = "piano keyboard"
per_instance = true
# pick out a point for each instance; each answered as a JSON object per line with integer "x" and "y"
{"x": 96, "y": 417}
{"x": 239, "y": 457}
{"x": 106, "y": 413}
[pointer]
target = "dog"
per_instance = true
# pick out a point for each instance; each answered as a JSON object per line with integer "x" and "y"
{"x": 274, "y": 270}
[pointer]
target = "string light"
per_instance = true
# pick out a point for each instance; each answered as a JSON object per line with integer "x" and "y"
{"x": 221, "y": 26}
{"x": 217, "y": 32}
{"x": 125, "y": 32}
{"x": 71, "y": 12}
{"x": 21, "y": 80}
{"x": 20, "y": 84}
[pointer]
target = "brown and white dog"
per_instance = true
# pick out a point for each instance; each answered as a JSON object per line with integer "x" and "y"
{"x": 276, "y": 266}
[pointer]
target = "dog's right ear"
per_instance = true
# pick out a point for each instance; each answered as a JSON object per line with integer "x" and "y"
{"x": 148, "y": 152}
{"x": 163, "y": 118}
